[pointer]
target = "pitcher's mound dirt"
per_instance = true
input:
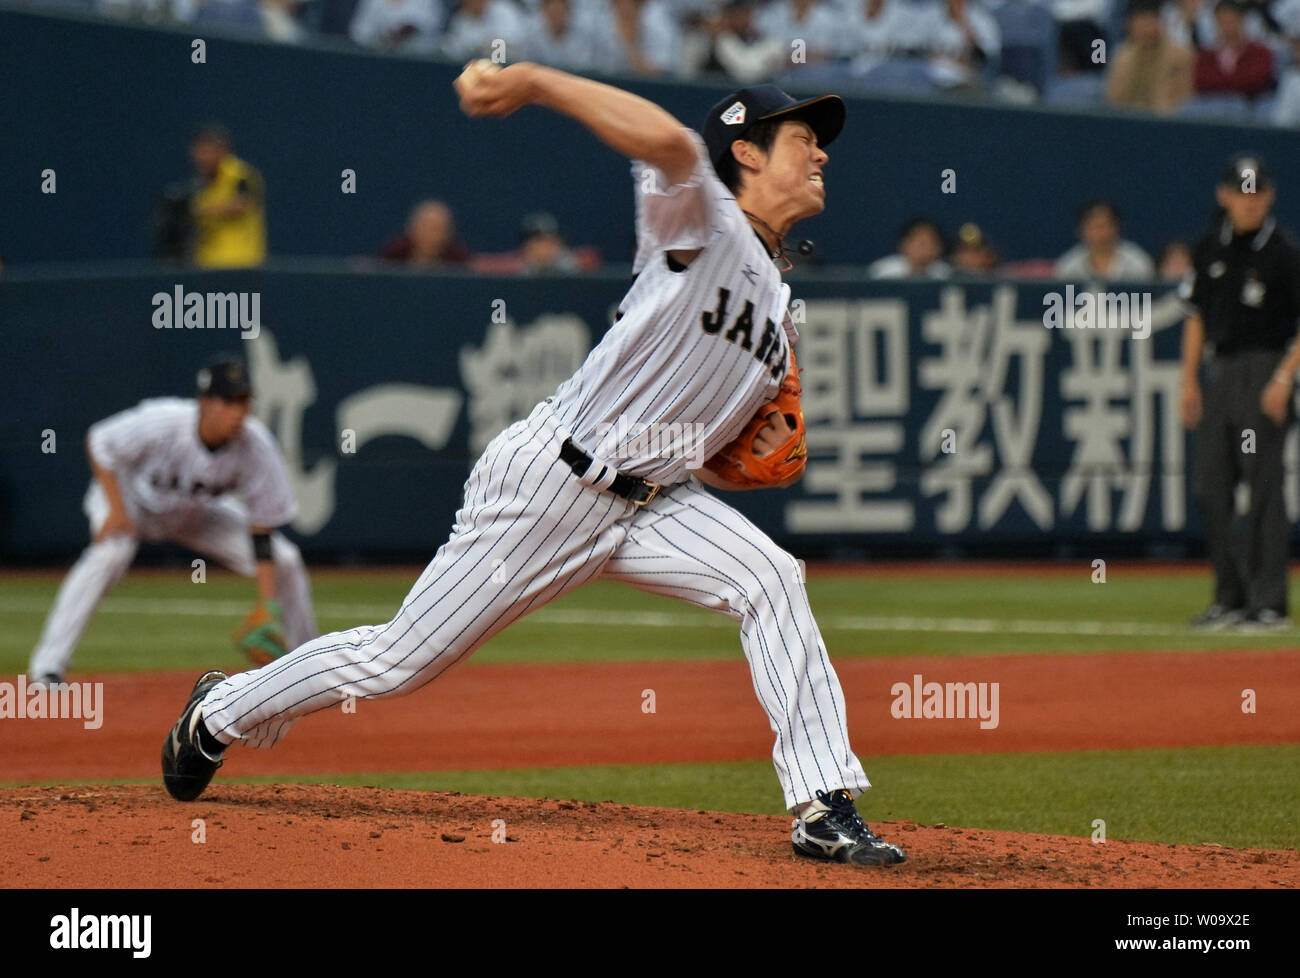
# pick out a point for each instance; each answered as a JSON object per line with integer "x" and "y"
{"x": 327, "y": 836}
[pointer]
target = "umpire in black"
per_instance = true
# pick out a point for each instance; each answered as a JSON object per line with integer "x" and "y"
{"x": 1244, "y": 296}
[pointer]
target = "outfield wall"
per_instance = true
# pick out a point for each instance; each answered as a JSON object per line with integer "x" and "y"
{"x": 108, "y": 109}
{"x": 940, "y": 416}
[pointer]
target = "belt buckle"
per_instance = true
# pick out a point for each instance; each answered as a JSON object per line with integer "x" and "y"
{"x": 654, "y": 491}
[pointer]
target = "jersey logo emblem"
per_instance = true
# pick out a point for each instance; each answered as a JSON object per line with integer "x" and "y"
{"x": 734, "y": 116}
{"x": 1217, "y": 269}
{"x": 1252, "y": 293}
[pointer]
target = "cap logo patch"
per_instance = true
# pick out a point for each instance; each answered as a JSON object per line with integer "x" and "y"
{"x": 735, "y": 115}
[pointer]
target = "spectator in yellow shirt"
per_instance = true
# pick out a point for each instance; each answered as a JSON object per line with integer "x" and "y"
{"x": 228, "y": 208}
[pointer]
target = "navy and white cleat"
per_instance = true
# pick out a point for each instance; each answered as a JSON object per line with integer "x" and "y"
{"x": 832, "y": 829}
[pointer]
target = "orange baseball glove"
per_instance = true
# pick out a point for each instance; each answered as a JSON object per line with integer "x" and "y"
{"x": 736, "y": 463}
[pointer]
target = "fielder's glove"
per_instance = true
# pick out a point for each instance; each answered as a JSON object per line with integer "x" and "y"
{"x": 737, "y": 463}
{"x": 261, "y": 635}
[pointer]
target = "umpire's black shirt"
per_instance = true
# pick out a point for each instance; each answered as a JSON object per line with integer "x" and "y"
{"x": 1246, "y": 288}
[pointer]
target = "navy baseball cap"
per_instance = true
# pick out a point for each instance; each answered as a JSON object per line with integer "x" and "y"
{"x": 225, "y": 377}
{"x": 1245, "y": 167}
{"x": 731, "y": 118}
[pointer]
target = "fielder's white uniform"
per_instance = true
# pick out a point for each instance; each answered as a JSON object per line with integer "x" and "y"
{"x": 176, "y": 488}
{"x": 707, "y": 345}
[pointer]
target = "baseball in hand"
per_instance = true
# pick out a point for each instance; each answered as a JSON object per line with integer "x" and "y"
{"x": 473, "y": 73}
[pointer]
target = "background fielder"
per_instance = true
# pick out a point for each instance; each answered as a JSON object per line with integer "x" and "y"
{"x": 198, "y": 472}
{"x": 704, "y": 339}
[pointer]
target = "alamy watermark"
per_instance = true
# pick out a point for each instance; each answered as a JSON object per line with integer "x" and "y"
{"x": 1098, "y": 310}
{"x": 53, "y": 701}
{"x": 75, "y": 931}
{"x": 920, "y": 700}
{"x": 179, "y": 309}
{"x": 616, "y": 441}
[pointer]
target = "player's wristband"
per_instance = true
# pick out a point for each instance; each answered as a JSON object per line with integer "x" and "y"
{"x": 261, "y": 546}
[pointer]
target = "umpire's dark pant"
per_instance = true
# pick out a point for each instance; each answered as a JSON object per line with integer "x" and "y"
{"x": 1249, "y": 562}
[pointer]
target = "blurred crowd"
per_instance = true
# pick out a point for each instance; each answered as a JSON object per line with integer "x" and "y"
{"x": 1102, "y": 253}
{"x": 216, "y": 218}
{"x": 1198, "y": 57}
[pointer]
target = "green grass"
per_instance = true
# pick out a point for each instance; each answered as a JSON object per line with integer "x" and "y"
{"x": 142, "y": 624}
{"x": 1243, "y": 797}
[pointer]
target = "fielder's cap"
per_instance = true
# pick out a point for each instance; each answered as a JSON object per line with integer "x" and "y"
{"x": 225, "y": 377}
{"x": 731, "y": 118}
{"x": 1244, "y": 170}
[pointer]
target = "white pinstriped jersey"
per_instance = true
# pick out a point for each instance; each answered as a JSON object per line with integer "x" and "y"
{"x": 163, "y": 468}
{"x": 704, "y": 347}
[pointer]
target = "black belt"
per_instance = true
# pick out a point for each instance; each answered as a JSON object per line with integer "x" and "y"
{"x": 634, "y": 490}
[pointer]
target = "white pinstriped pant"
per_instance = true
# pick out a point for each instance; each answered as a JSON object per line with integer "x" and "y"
{"x": 544, "y": 532}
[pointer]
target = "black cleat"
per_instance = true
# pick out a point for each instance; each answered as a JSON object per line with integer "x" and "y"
{"x": 831, "y": 828}
{"x": 49, "y": 679}
{"x": 186, "y": 768}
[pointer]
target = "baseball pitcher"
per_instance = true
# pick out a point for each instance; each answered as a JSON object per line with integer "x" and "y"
{"x": 703, "y": 344}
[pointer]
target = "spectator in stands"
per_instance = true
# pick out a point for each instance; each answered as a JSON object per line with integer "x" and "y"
{"x": 1287, "y": 110}
{"x": 1101, "y": 253}
{"x": 1149, "y": 71}
{"x": 972, "y": 253}
{"x": 874, "y": 31}
{"x": 1190, "y": 23}
{"x": 397, "y": 25}
{"x": 1236, "y": 64}
{"x": 555, "y": 37}
{"x": 729, "y": 42}
{"x": 478, "y": 28}
{"x": 1175, "y": 261}
{"x": 806, "y": 29}
{"x": 961, "y": 36}
{"x": 637, "y": 37}
{"x": 429, "y": 239}
{"x": 283, "y": 20}
{"x": 920, "y": 253}
{"x": 227, "y": 207}
{"x": 541, "y": 251}
{"x": 1081, "y": 23}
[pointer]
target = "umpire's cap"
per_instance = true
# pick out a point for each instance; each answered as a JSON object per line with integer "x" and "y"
{"x": 731, "y": 118}
{"x": 1246, "y": 169}
{"x": 225, "y": 377}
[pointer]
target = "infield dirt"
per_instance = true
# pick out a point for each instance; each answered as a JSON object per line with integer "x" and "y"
{"x": 329, "y": 836}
